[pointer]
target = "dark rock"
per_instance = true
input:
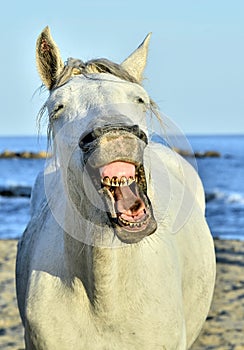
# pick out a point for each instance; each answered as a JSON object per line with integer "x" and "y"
{"x": 15, "y": 191}
{"x": 212, "y": 154}
{"x": 206, "y": 154}
{"x": 7, "y": 154}
{"x": 25, "y": 155}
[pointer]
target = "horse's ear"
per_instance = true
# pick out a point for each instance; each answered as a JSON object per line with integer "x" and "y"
{"x": 136, "y": 62}
{"x": 48, "y": 59}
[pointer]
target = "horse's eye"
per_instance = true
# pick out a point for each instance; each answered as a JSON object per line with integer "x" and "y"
{"x": 140, "y": 100}
{"x": 55, "y": 113}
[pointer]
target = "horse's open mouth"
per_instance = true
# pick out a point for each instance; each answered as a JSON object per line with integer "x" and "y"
{"x": 113, "y": 155}
{"x": 125, "y": 192}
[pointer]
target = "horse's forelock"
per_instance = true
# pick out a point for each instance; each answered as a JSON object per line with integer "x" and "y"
{"x": 101, "y": 65}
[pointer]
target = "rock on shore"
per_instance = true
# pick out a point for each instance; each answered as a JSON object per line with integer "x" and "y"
{"x": 24, "y": 155}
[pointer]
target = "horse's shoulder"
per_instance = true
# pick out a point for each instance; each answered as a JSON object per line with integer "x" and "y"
{"x": 181, "y": 170}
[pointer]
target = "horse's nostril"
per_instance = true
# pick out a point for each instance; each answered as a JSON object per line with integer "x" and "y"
{"x": 86, "y": 139}
{"x": 96, "y": 133}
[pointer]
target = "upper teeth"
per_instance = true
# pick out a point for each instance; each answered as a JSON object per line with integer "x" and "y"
{"x": 116, "y": 182}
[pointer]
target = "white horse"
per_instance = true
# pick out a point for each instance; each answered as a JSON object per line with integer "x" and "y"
{"x": 117, "y": 254}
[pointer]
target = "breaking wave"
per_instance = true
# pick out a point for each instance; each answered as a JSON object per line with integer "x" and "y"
{"x": 226, "y": 197}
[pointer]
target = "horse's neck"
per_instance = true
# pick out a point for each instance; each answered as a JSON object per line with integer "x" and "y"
{"x": 107, "y": 274}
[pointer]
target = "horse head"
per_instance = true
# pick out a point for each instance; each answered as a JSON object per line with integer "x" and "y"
{"x": 97, "y": 117}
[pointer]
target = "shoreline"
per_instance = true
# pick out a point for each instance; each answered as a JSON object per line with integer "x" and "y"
{"x": 224, "y": 328}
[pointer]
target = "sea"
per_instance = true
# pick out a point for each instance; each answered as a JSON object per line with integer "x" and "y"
{"x": 222, "y": 177}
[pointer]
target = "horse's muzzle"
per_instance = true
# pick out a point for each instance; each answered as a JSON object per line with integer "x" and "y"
{"x": 113, "y": 155}
{"x": 112, "y": 142}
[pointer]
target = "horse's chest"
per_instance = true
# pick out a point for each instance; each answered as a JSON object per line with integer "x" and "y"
{"x": 69, "y": 320}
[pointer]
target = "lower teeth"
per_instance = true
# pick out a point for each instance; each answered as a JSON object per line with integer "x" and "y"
{"x": 132, "y": 224}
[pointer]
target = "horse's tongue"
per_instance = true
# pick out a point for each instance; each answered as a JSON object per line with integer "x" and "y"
{"x": 128, "y": 203}
{"x": 118, "y": 169}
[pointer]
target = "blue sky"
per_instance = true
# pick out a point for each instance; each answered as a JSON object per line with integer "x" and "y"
{"x": 195, "y": 70}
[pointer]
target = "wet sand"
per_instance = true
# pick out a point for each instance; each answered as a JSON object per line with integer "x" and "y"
{"x": 223, "y": 330}
{"x": 11, "y": 330}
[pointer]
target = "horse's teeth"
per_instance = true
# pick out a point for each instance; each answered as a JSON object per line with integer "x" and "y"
{"x": 115, "y": 181}
{"x": 123, "y": 181}
{"x": 106, "y": 181}
{"x": 132, "y": 224}
{"x": 130, "y": 180}
{"x": 124, "y": 221}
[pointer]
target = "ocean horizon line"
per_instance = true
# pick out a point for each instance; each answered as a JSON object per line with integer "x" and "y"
{"x": 190, "y": 134}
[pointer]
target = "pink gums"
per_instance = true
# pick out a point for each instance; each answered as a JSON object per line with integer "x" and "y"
{"x": 118, "y": 169}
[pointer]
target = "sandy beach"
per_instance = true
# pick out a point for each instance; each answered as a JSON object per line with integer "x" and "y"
{"x": 224, "y": 328}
